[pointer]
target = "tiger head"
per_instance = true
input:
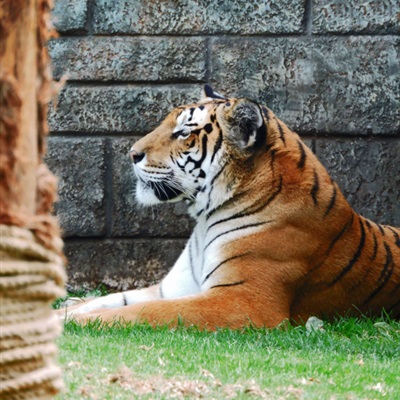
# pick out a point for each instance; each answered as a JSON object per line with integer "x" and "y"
{"x": 185, "y": 154}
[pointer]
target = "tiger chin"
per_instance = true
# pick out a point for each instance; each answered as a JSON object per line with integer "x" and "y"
{"x": 275, "y": 238}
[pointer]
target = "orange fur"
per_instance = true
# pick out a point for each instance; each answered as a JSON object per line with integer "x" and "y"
{"x": 317, "y": 256}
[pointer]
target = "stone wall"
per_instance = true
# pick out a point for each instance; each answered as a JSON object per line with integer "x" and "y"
{"x": 329, "y": 69}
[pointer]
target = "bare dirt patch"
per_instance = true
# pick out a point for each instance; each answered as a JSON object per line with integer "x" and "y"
{"x": 178, "y": 388}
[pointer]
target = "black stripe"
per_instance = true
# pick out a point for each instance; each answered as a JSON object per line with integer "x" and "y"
{"x": 124, "y": 299}
{"x": 236, "y": 229}
{"x": 218, "y": 174}
{"x": 355, "y": 257}
{"x": 224, "y": 262}
{"x": 332, "y": 244}
{"x": 197, "y": 164}
{"x": 182, "y": 167}
{"x": 217, "y": 146}
{"x": 302, "y": 160}
{"x": 375, "y": 247}
{"x": 344, "y": 229}
{"x": 235, "y": 198}
{"x": 332, "y": 202}
{"x": 199, "y": 212}
{"x": 385, "y": 275}
{"x": 191, "y": 113}
{"x": 380, "y": 228}
{"x": 272, "y": 162}
{"x": 245, "y": 213}
{"x": 265, "y": 113}
{"x": 368, "y": 224}
{"x": 396, "y": 236}
{"x": 315, "y": 188}
{"x": 280, "y": 129}
{"x": 228, "y": 284}
{"x": 369, "y": 270}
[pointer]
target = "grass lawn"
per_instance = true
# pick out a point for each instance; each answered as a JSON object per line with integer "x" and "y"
{"x": 347, "y": 359}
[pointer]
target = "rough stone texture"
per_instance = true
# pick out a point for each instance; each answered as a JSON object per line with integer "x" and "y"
{"x": 356, "y": 16}
{"x": 79, "y": 163}
{"x": 120, "y": 264}
{"x": 333, "y": 85}
{"x": 368, "y": 172}
{"x": 325, "y": 67}
{"x": 309, "y": 142}
{"x": 129, "y": 58}
{"x": 198, "y": 16}
{"x": 69, "y": 15}
{"x": 131, "y": 219}
{"x": 111, "y": 109}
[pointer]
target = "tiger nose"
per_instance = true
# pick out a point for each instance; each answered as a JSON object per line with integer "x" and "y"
{"x": 136, "y": 156}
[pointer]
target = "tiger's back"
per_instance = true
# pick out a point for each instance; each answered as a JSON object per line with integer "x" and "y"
{"x": 356, "y": 265}
{"x": 338, "y": 262}
{"x": 362, "y": 275}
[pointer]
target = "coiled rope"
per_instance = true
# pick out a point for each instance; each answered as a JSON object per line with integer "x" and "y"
{"x": 31, "y": 278}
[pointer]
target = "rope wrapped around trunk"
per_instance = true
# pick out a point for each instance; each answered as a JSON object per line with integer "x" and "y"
{"x": 31, "y": 278}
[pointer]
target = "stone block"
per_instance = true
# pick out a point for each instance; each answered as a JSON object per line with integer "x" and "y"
{"x": 114, "y": 108}
{"x": 79, "y": 163}
{"x": 356, "y": 16}
{"x": 120, "y": 264}
{"x": 368, "y": 172}
{"x": 132, "y": 219}
{"x": 129, "y": 58}
{"x": 69, "y": 15}
{"x": 308, "y": 142}
{"x": 198, "y": 16}
{"x": 345, "y": 85}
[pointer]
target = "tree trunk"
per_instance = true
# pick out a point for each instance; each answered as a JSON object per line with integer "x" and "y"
{"x": 31, "y": 268}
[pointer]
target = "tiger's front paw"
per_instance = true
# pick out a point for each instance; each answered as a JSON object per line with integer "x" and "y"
{"x": 76, "y": 309}
{"x": 75, "y": 314}
{"x": 73, "y": 306}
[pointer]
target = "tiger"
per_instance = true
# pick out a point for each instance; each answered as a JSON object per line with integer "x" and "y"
{"x": 275, "y": 239}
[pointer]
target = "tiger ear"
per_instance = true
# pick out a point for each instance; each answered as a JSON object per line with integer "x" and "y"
{"x": 209, "y": 92}
{"x": 245, "y": 123}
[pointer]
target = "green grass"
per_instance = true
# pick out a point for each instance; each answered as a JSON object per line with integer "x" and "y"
{"x": 348, "y": 359}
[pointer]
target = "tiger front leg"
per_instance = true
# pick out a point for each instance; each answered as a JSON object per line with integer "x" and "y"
{"x": 178, "y": 282}
{"x": 231, "y": 307}
{"x": 111, "y": 301}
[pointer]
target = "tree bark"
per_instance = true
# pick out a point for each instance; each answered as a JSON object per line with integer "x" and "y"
{"x": 19, "y": 133}
{"x": 31, "y": 261}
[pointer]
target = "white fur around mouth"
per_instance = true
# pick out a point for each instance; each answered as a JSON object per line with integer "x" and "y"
{"x": 156, "y": 192}
{"x": 145, "y": 195}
